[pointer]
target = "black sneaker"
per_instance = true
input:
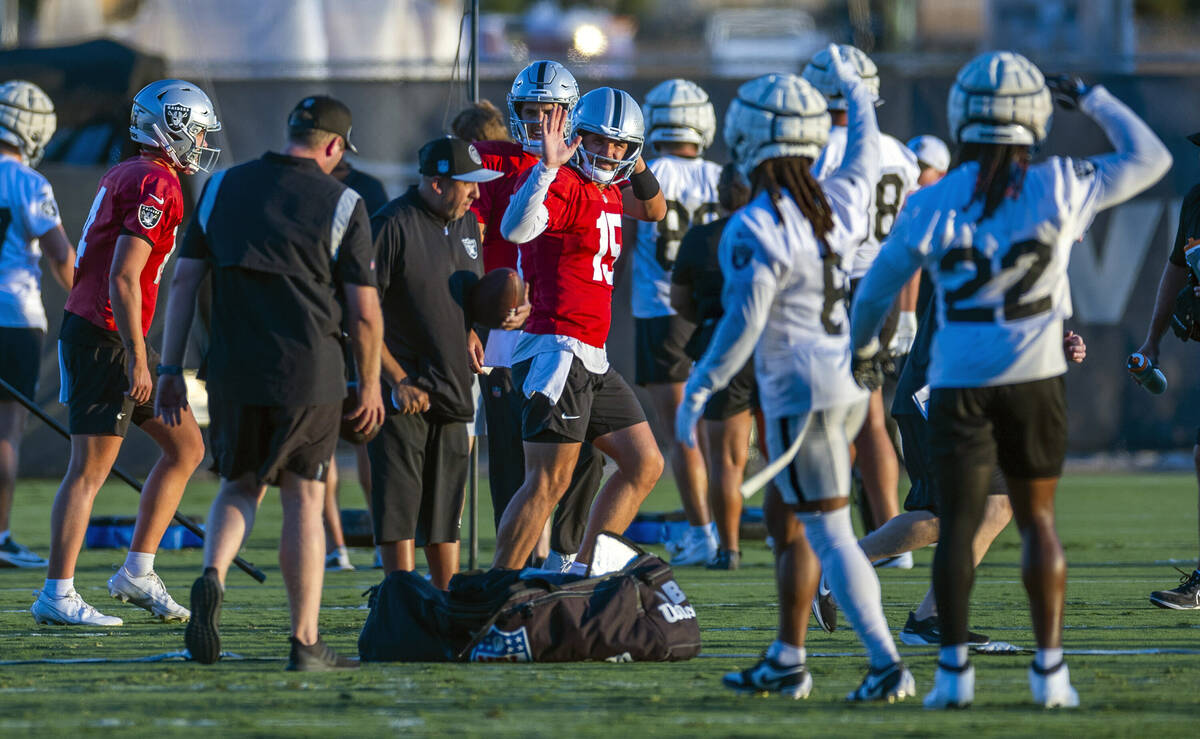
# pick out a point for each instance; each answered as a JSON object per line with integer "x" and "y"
{"x": 1186, "y": 597}
{"x": 927, "y": 633}
{"x": 824, "y": 607}
{"x": 202, "y": 636}
{"x": 892, "y": 683}
{"x": 317, "y": 658}
{"x": 727, "y": 559}
{"x": 768, "y": 676}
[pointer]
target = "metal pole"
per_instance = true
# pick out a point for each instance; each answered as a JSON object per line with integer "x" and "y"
{"x": 473, "y": 59}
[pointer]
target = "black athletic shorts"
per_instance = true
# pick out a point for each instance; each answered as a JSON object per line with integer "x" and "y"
{"x": 1023, "y": 427}
{"x": 20, "y": 359}
{"x": 922, "y": 493}
{"x": 271, "y": 439}
{"x": 94, "y": 382}
{"x": 590, "y": 406}
{"x": 418, "y": 479}
{"x": 741, "y": 394}
{"x": 660, "y": 355}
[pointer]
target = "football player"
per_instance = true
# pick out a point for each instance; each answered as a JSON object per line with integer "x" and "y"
{"x": 995, "y": 235}
{"x": 108, "y": 370}
{"x": 567, "y": 214}
{"x": 874, "y": 454}
{"x": 784, "y": 257}
{"x": 680, "y": 125}
{"x": 29, "y": 227}
{"x": 539, "y": 89}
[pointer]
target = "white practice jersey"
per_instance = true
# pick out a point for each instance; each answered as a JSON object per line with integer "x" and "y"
{"x": 898, "y": 173}
{"x": 689, "y": 186}
{"x": 27, "y": 211}
{"x": 1001, "y": 283}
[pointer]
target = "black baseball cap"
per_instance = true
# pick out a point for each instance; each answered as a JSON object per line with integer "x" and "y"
{"x": 452, "y": 157}
{"x": 324, "y": 114}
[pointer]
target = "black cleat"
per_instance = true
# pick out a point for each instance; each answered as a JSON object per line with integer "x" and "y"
{"x": 893, "y": 683}
{"x": 318, "y": 657}
{"x": 727, "y": 559}
{"x": 202, "y": 636}
{"x": 927, "y": 633}
{"x": 1186, "y": 597}
{"x": 824, "y": 607}
{"x": 768, "y": 676}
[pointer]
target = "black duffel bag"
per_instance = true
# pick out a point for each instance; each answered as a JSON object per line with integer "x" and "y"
{"x": 638, "y": 614}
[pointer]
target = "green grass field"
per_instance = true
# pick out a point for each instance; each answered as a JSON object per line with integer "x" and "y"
{"x": 1119, "y": 532}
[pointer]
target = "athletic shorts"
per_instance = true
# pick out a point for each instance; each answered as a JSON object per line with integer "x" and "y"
{"x": 820, "y": 470}
{"x": 741, "y": 394}
{"x": 922, "y": 493}
{"x": 20, "y": 359}
{"x": 660, "y": 355}
{"x": 271, "y": 439}
{"x": 418, "y": 478}
{"x": 589, "y": 407}
{"x": 94, "y": 381}
{"x": 1023, "y": 427}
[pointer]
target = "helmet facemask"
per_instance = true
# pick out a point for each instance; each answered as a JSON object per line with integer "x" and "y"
{"x": 589, "y": 162}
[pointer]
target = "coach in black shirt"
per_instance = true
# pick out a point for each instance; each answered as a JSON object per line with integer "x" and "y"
{"x": 282, "y": 239}
{"x": 428, "y": 258}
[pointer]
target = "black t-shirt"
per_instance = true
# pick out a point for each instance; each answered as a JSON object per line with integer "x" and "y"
{"x": 1189, "y": 226}
{"x": 426, "y": 267}
{"x": 373, "y": 193}
{"x": 698, "y": 268}
{"x": 282, "y": 238}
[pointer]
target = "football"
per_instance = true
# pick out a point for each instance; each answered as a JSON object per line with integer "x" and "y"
{"x": 346, "y": 431}
{"x": 495, "y": 296}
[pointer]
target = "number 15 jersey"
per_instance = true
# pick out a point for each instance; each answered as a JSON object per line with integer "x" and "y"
{"x": 569, "y": 267}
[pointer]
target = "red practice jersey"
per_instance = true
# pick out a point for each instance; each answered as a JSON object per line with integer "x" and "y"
{"x": 511, "y": 159}
{"x": 569, "y": 267}
{"x": 140, "y": 196}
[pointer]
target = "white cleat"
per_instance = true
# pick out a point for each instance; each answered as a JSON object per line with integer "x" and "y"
{"x": 69, "y": 610}
{"x": 1052, "y": 688}
{"x": 13, "y": 554}
{"x": 338, "y": 562}
{"x": 147, "y": 592}
{"x": 695, "y": 549}
{"x": 953, "y": 687}
{"x": 899, "y": 562}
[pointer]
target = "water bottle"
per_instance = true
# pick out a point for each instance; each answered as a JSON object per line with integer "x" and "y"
{"x": 1146, "y": 374}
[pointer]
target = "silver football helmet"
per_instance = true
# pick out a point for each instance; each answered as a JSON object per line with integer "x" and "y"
{"x": 999, "y": 98}
{"x": 615, "y": 114}
{"x": 541, "y": 82}
{"x": 822, "y": 74}
{"x": 176, "y": 116}
{"x": 776, "y": 115}
{"x": 679, "y": 111}
{"x": 27, "y": 119}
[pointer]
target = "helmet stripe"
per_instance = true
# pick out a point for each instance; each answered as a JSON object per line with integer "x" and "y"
{"x": 541, "y": 74}
{"x": 618, "y": 109}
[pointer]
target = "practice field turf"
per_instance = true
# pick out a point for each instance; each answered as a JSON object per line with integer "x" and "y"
{"x": 1137, "y": 668}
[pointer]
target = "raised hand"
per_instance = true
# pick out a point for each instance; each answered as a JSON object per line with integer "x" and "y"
{"x": 1066, "y": 90}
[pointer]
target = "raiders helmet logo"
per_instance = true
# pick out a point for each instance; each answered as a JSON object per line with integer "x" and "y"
{"x": 742, "y": 254}
{"x": 177, "y": 116}
{"x": 49, "y": 208}
{"x": 472, "y": 247}
{"x": 149, "y": 216}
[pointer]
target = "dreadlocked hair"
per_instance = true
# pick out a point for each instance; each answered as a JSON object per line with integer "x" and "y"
{"x": 1001, "y": 174}
{"x": 792, "y": 174}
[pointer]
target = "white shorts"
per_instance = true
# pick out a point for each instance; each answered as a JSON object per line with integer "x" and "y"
{"x": 820, "y": 469}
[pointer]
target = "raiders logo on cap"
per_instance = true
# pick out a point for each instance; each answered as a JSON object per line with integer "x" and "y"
{"x": 474, "y": 153}
{"x": 149, "y": 216}
{"x": 177, "y": 116}
{"x": 472, "y": 247}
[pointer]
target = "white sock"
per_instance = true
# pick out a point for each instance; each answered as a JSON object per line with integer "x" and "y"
{"x": 343, "y": 553}
{"x": 59, "y": 588}
{"x": 4, "y": 536}
{"x": 710, "y": 529}
{"x": 578, "y": 568}
{"x": 788, "y": 655}
{"x": 853, "y": 581}
{"x": 139, "y": 564}
{"x": 1047, "y": 658}
{"x": 953, "y": 656}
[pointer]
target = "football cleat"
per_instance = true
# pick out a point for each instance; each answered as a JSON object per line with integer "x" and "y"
{"x": 824, "y": 607}
{"x": 317, "y": 657}
{"x": 768, "y": 676}
{"x": 727, "y": 559}
{"x": 893, "y": 683}
{"x": 1052, "y": 688}
{"x": 953, "y": 687}
{"x": 203, "y": 636}
{"x": 928, "y": 633}
{"x": 69, "y": 610}
{"x": 13, "y": 554}
{"x": 698, "y": 548}
{"x": 899, "y": 562}
{"x": 147, "y": 592}
{"x": 1183, "y": 598}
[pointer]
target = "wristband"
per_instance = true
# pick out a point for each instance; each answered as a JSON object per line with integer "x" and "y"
{"x": 168, "y": 369}
{"x": 644, "y": 184}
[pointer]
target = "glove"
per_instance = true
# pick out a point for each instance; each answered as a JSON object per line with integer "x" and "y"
{"x": 904, "y": 335}
{"x": 1185, "y": 321}
{"x": 847, "y": 76}
{"x": 869, "y": 365}
{"x": 690, "y": 409}
{"x": 1067, "y": 90}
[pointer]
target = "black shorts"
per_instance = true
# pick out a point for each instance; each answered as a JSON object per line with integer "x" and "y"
{"x": 1023, "y": 427}
{"x": 20, "y": 359}
{"x": 590, "y": 406}
{"x": 922, "y": 493}
{"x": 741, "y": 394}
{"x": 660, "y": 355}
{"x": 271, "y": 439}
{"x": 418, "y": 479}
{"x": 94, "y": 381}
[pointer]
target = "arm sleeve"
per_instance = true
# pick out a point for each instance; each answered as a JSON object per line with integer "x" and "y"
{"x": 526, "y": 216}
{"x": 40, "y": 211}
{"x": 873, "y": 299}
{"x": 1140, "y": 158}
{"x": 356, "y": 259}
